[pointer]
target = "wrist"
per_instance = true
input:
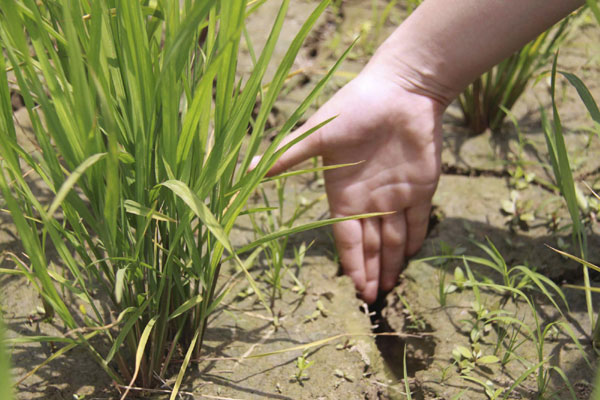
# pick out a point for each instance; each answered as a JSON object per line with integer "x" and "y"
{"x": 409, "y": 73}
{"x": 444, "y": 45}
{"x": 403, "y": 62}
{"x": 412, "y": 75}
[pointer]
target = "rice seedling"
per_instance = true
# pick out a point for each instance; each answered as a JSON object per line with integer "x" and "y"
{"x": 273, "y": 219}
{"x": 140, "y": 122}
{"x": 520, "y": 277}
{"x": 561, "y": 167}
{"x": 537, "y": 335}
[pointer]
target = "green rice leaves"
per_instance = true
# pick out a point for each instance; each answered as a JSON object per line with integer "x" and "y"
{"x": 128, "y": 99}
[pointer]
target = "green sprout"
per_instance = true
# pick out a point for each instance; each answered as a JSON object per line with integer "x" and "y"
{"x": 518, "y": 212}
{"x": 468, "y": 358}
{"x": 302, "y": 364}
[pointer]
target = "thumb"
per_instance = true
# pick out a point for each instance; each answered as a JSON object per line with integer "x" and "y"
{"x": 303, "y": 150}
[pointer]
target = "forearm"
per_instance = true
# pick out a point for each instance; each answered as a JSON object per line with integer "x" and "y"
{"x": 446, "y": 44}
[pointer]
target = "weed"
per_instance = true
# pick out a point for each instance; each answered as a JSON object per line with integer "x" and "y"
{"x": 346, "y": 345}
{"x": 274, "y": 221}
{"x": 511, "y": 343}
{"x": 520, "y": 179}
{"x": 443, "y": 289}
{"x": 342, "y": 375}
{"x": 302, "y": 364}
{"x": 511, "y": 331}
{"x": 468, "y": 358}
{"x": 299, "y": 254}
{"x": 519, "y": 213}
{"x": 320, "y": 311}
{"x": 414, "y": 321}
{"x": 407, "y": 392}
{"x": 541, "y": 368}
{"x": 516, "y": 277}
{"x": 445, "y": 371}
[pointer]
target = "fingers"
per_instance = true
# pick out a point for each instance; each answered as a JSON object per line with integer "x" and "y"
{"x": 373, "y": 251}
{"x": 349, "y": 243}
{"x": 417, "y": 221}
{"x": 402, "y": 235}
{"x": 372, "y": 257}
{"x": 393, "y": 233}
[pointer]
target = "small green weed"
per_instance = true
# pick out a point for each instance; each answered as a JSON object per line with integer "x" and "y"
{"x": 414, "y": 321}
{"x": 519, "y": 212}
{"x": 302, "y": 364}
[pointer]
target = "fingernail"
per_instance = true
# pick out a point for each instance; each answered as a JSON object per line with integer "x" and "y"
{"x": 254, "y": 162}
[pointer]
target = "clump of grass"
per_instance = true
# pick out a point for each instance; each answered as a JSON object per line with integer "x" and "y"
{"x": 537, "y": 335}
{"x": 139, "y": 119}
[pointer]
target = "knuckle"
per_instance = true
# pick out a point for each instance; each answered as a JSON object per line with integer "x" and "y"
{"x": 393, "y": 239}
{"x": 371, "y": 245}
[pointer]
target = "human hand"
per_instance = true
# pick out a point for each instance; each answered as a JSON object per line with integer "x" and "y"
{"x": 396, "y": 132}
{"x": 390, "y": 118}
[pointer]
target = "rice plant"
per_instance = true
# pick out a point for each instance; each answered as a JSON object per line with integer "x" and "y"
{"x": 534, "y": 333}
{"x": 141, "y": 130}
{"x": 561, "y": 168}
{"x": 274, "y": 219}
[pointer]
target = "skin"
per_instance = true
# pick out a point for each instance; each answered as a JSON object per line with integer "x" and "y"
{"x": 389, "y": 117}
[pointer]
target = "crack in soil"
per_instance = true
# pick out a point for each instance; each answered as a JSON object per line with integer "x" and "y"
{"x": 392, "y": 349}
{"x": 455, "y": 170}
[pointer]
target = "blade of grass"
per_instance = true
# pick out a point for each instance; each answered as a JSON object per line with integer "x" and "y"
{"x": 5, "y": 381}
{"x": 304, "y": 227}
{"x": 584, "y": 94}
{"x": 140, "y": 352}
{"x": 308, "y": 171}
{"x": 567, "y": 186}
